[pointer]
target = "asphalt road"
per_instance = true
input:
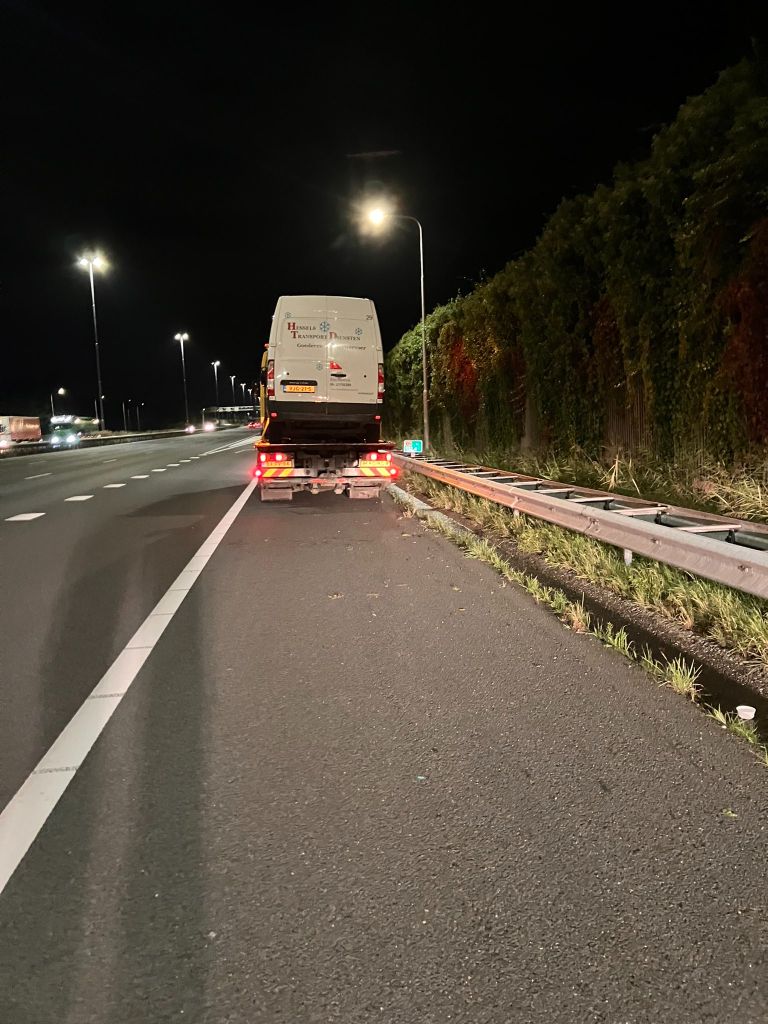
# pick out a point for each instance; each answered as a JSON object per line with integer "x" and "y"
{"x": 356, "y": 779}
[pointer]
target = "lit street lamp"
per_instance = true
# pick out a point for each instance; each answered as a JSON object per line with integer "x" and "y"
{"x": 216, "y": 366}
{"x": 243, "y": 387}
{"x": 182, "y": 338}
{"x": 138, "y": 417}
{"x": 61, "y": 391}
{"x": 377, "y": 216}
{"x": 99, "y": 263}
{"x": 232, "y": 382}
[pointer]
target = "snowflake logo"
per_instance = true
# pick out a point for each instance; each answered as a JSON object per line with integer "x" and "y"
{"x": 358, "y": 331}
{"x": 325, "y": 326}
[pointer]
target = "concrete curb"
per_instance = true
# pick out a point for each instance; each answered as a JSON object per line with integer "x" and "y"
{"x": 424, "y": 511}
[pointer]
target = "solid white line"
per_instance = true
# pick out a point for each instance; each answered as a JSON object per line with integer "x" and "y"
{"x": 27, "y": 811}
{"x": 24, "y": 517}
{"x": 36, "y": 476}
{"x": 141, "y": 476}
{"x": 113, "y": 485}
{"x": 79, "y": 497}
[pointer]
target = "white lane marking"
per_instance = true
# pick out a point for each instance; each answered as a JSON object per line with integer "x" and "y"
{"x": 109, "y": 460}
{"x": 27, "y": 811}
{"x": 113, "y": 485}
{"x": 173, "y": 463}
{"x": 195, "y": 457}
{"x": 184, "y": 460}
{"x": 141, "y": 476}
{"x": 158, "y": 470}
{"x": 79, "y": 497}
{"x": 36, "y": 476}
{"x": 24, "y": 517}
{"x": 229, "y": 447}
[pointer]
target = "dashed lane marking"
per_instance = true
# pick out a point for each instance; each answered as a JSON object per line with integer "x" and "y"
{"x": 79, "y": 497}
{"x": 36, "y": 476}
{"x": 24, "y": 517}
{"x": 113, "y": 485}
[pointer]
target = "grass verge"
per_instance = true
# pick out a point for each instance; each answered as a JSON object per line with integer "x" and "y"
{"x": 734, "y": 621}
{"x": 678, "y": 674}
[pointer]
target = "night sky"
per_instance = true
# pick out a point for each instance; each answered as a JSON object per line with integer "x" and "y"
{"x": 214, "y": 156}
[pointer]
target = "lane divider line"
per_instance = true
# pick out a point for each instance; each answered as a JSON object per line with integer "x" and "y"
{"x": 37, "y": 476}
{"x": 141, "y": 476}
{"x": 28, "y": 810}
{"x": 113, "y": 485}
{"x": 79, "y": 497}
{"x": 158, "y": 471}
{"x": 24, "y": 517}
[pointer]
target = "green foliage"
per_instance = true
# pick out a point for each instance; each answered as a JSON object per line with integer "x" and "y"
{"x": 643, "y": 305}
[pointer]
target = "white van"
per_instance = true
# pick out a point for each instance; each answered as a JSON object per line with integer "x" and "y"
{"x": 325, "y": 370}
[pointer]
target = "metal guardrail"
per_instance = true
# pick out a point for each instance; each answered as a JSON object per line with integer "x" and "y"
{"x": 729, "y": 551}
{"x": 35, "y": 448}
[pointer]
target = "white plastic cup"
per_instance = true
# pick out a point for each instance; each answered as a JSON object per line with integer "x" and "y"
{"x": 745, "y": 711}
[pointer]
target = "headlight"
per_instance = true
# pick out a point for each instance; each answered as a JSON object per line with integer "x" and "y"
{"x": 71, "y": 438}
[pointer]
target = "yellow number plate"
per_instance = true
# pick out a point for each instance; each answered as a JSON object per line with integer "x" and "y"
{"x": 304, "y": 389}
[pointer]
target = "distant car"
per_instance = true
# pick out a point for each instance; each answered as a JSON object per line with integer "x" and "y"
{"x": 190, "y": 428}
{"x": 254, "y": 424}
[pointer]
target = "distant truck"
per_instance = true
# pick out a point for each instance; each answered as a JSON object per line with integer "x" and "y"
{"x": 322, "y": 393}
{"x": 67, "y": 431}
{"x": 14, "y": 429}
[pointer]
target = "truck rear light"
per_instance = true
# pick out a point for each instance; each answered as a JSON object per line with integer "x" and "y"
{"x": 377, "y": 419}
{"x": 256, "y": 472}
{"x": 271, "y": 378}
{"x": 273, "y": 415}
{"x": 393, "y": 471}
{"x": 381, "y": 378}
{"x": 262, "y": 457}
{"x": 373, "y": 456}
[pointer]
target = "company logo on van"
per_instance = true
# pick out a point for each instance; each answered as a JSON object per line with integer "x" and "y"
{"x": 325, "y": 326}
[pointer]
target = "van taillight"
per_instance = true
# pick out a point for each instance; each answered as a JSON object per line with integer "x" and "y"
{"x": 381, "y": 378}
{"x": 271, "y": 378}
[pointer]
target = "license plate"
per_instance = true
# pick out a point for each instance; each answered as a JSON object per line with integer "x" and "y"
{"x": 303, "y": 389}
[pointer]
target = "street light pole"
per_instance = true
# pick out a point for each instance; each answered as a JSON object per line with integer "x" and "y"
{"x": 182, "y": 338}
{"x": 243, "y": 387}
{"x": 91, "y": 262}
{"x": 232, "y": 382}
{"x": 377, "y": 216}
{"x": 216, "y": 366}
{"x": 60, "y": 391}
{"x": 125, "y": 422}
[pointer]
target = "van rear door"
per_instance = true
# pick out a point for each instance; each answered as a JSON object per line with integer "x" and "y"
{"x": 299, "y": 352}
{"x": 352, "y": 353}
